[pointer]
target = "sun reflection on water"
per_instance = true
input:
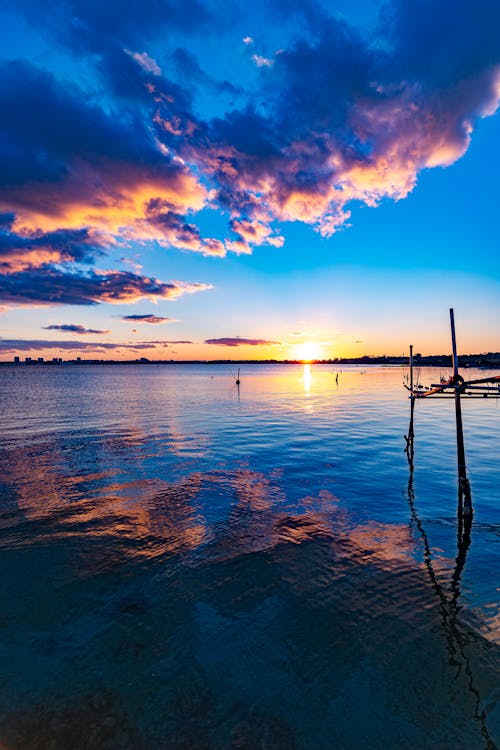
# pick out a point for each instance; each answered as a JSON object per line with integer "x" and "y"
{"x": 307, "y": 378}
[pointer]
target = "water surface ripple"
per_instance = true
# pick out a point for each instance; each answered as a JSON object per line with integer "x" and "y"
{"x": 190, "y": 565}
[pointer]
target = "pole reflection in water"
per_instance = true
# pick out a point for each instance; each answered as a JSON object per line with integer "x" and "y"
{"x": 409, "y": 450}
{"x": 457, "y": 635}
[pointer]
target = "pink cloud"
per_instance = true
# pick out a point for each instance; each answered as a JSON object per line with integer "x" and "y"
{"x": 262, "y": 62}
{"x": 147, "y": 63}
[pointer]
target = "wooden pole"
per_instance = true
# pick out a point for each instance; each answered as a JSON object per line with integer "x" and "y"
{"x": 454, "y": 343}
{"x": 411, "y": 369}
{"x": 464, "y": 494}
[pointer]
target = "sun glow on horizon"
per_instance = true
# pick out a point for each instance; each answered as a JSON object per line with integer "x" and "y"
{"x": 308, "y": 351}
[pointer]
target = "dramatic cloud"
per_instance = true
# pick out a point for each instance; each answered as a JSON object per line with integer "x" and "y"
{"x": 333, "y": 118}
{"x": 51, "y": 286}
{"x": 46, "y": 268}
{"x": 72, "y": 328}
{"x": 238, "y": 341}
{"x": 25, "y": 249}
{"x": 148, "y": 318}
{"x": 345, "y": 119}
{"x": 80, "y": 166}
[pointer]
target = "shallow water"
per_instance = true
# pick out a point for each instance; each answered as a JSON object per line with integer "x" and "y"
{"x": 186, "y": 565}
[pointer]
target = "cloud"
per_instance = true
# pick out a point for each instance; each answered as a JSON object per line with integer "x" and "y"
{"x": 147, "y": 318}
{"x": 46, "y": 268}
{"x": 81, "y": 166}
{"x": 27, "y": 249}
{"x": 191, "y": 75}
{"x": 238, "y": 341}
{"x": 90, "y": 26}
{"x": 256, "y": 232}
{"x": 346, "y": 118}
{"x": 262, "y": 62}
{"x": 132, "y": 263}
{"x": 146, "y": 62}
{"x": 72, "y": 328}
{"x": 100, "y": 173}
{"x": 165, "y": 342}
{"x": 340, "y": 117}
{"x": 172, "y": 229}
{"x": 52, "y": 286}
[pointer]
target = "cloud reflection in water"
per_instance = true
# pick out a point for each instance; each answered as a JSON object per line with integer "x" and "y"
{"x": 239, "y": 600}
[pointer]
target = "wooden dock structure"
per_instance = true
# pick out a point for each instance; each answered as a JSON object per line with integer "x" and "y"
{"x": 457, "y": 388}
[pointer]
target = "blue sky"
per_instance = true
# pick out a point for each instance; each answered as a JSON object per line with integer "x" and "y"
{"x": 284, "y": 177}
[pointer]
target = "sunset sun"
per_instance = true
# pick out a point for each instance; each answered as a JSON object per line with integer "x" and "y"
{"x": 308, "y": 351}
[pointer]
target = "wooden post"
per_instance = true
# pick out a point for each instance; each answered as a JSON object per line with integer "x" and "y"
{"x": 411, "y": 370}
{"x": 238, "y": 378}
{"x": 454, "y": 343}
{"x": 464, "y": 494}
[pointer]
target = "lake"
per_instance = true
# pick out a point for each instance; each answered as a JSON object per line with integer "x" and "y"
{"x": 186, "y": 564}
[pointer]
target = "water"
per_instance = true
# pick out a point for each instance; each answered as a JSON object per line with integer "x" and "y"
{"x": 188, "y": 566}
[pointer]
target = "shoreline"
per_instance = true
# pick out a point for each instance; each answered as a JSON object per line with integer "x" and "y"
{"x": 465, "y": 361}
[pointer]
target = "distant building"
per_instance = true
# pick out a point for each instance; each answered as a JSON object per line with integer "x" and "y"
{"x": 28, "y": 360}
{"x": 40, "y": 360}
{"x": 16, "y": 360}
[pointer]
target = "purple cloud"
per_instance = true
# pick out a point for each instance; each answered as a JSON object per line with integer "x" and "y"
{"x": 147, "y": 318}
{"x": 51, "y": 286}
{"x": 238, "y": 341}
{"x": 72, "y": 328}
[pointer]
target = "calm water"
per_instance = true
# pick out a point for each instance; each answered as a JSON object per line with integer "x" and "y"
{"x": 186, "y": 566}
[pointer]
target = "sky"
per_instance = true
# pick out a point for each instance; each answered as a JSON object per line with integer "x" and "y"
{"x": 231, "y": 180}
